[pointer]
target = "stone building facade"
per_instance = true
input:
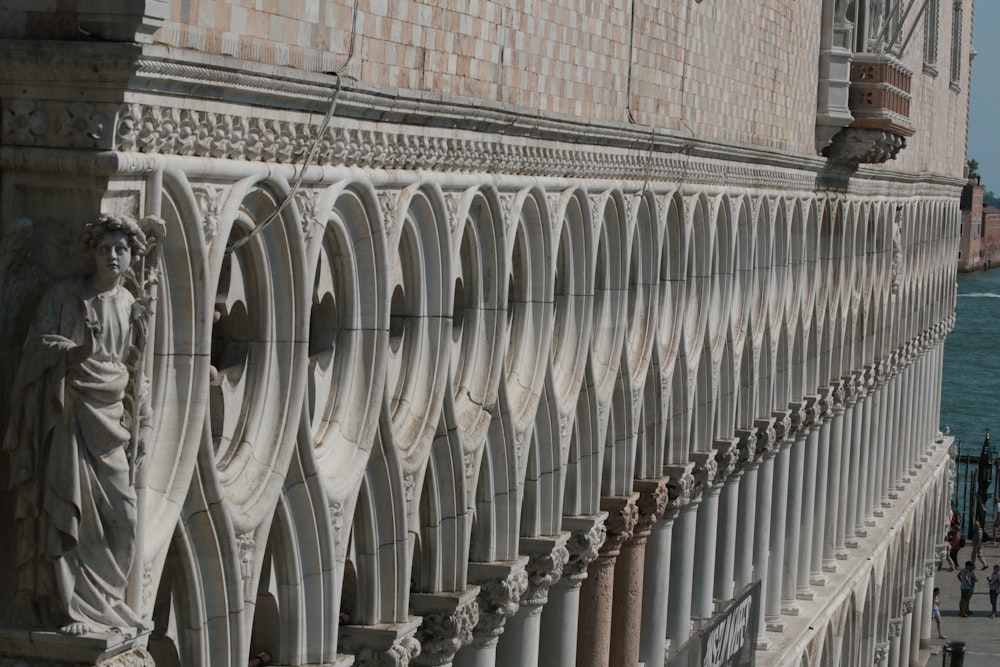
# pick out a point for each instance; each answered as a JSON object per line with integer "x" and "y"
{"x": 979, "y": 244}
{"x": 513, "y": 333}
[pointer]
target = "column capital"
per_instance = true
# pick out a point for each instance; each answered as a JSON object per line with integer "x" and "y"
{"x": 705, "y": 469}
{"x": 727, "y": 458}
{"x": 907, "y": 606}
{"x": 623, "y": 515}
{"x": 384, "y": 645}
{"x": 837, "y": 397}
{"x": 767, "y": 437}
{"x": 782, "y": 424}
{"x": 881, "y": 652}
{"x": 930, "y": 566}
{"x": 587, "y": 536}
{"x": 653, "y": 499}
{"x": 895, "y": 627}
{"x": 680, "y": 484}
{"x": 547, "y": 559}
{"x": 448, "y": 621}
{"x": 918, "y": 584}
{"x": 501, "y": 586}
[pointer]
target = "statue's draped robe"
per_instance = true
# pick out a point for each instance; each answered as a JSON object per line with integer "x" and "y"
{"x": 76, "y": 508}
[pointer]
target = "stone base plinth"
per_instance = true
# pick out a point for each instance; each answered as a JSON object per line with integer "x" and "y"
{"x": 53, "y": 649}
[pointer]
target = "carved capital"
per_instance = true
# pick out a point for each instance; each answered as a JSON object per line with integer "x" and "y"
{"x": 907, "y": 607}
{"x": 767, "y": 437}
{"x": 727, "y": 458}
{"x": 623, "y": 515}
{"x": 653, "y": 499}
{"x": 895, "y": 628}
{"x": 547, "y": 558}
{"x": 746, "y": 447}
{"x": 587, "y": 536}
{"x": 680, "y": 484}
{"x": 501, "y": 586}
{"x": 385, "y": 645}
{"x": 881, "y": 652}
{"x": 782, "y": 424}
{"x": 705, "y": 469}
{"x": 448, "y": 621}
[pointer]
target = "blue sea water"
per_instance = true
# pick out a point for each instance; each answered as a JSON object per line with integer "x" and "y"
{"x": 970, "y": 387}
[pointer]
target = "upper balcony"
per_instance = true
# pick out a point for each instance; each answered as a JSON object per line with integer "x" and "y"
{"x": 879, "y": 100}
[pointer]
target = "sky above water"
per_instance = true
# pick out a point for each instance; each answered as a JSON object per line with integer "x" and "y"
{"x": 984, "y": 108}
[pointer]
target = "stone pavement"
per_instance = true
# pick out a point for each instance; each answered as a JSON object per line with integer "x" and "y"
{"x": 980, "y": 633}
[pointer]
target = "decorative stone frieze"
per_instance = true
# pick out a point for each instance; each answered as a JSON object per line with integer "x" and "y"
{"x": 447, "y": 625}
{"x": 501, "y": 586}
{"x": 547, "y": 559}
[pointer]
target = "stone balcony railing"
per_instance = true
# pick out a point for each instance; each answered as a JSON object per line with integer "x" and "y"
{"x": 879, "y": 100}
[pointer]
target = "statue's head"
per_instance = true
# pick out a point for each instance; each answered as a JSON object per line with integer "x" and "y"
{"x": 104, "y": 224}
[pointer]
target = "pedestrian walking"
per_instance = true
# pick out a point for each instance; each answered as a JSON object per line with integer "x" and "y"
{"x": 967, "y": 580}
{"x": 977, "y": 544}
{"x": 936, "y": 611}
{"x": 994, "y": 581}
{"x": 955, "y": 542}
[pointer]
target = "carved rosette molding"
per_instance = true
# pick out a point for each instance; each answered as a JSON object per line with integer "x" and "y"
{"x": 448, "y": 622}
{"x": 501, "y": 586}
{"x": 587, "y": 536}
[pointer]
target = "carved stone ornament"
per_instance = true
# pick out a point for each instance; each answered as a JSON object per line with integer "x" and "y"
{"x": 498, "y": 600}
{"x": 705, "y": 469}
{"x": 134, "y": 657}
{"x": 767, "y": 437}
{"x": 727, "y": 457}
{"x": 782, "y": 425}
{"x": 680, "y": 485}
{"x": 881, "y": 652}
{"x": 895, "y": 628}
{"x": 854, "y": 145}
{"x": 583, "y": 547}
{"x": 73, "y": 482}
{"x": 746, "y": 448}
{"x": 623, "y": 515}
{"x": 443, "y": 633}
{"x": 400, "y": 654}
{"x": 907, "y": 607}
{"x": 544, "y": 570}
{"x": 652, "y": 503}
{"x": 930, "y": 565}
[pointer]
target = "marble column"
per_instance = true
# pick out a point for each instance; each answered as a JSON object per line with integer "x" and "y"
{"x": 825, "y": 496}
{"x": 917, "y": 624}
{"x": 778, "y": 525}
{"x": 767, "y": 450}
{"x": 653, "y": 644}
{"x": 706, "y": 534}
{"x": 746, "y": 511}
{"x": 501, "y": 585}
{"x": 792, "y": 543}
{"x": 863, "y": 429}
{"x": 681, "y": 566}
{"x": 906, "y": 638}
{"x": 728, "y": 478}
{"x": 882, "y": 654}
{"x": 895, "y": 640}
{"x": 593, "y": 643}
{"x": 557, "y": 645}
{"x": 808, "y": 524}
{"x": 381, "y": 645}
{"x": 849, "y": 476}
{"x": 447, "y": 625}
{"x": 838, "y": 457}
{"x": 626, "y": 614}
{"x": 546, "y": 558}
{"x": 926, "y": 627}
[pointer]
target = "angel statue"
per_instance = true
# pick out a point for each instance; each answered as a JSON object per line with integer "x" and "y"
{"x": 75, "y": 437}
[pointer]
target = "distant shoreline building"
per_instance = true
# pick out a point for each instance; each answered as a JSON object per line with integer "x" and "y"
{"x": 502, "y": 333}
{"x": 979, "y": 247}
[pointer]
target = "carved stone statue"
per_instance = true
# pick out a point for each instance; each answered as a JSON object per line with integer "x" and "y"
{"x": 74, "y": 440}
